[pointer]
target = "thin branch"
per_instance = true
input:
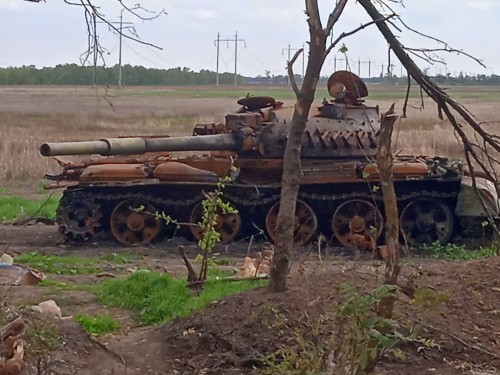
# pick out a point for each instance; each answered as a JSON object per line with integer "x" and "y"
{"x": 291, "y": 75}
{"x": 346, "y": 34}
{"x": 447, "y": 49}
{"x": 465, "y": 343}
{"x": 407, "y": 96}
{"x": 92, "y": 14}
{"x": 137, "y": 6}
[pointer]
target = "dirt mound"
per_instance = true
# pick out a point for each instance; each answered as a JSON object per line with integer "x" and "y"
{"x": 460, "y": 315}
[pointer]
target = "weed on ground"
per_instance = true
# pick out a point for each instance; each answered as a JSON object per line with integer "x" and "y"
{"x": 158, "y": 298}
{"x": 98, "y": 325}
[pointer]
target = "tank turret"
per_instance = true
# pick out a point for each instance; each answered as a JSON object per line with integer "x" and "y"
{"x": 339, "y": 187}
{"x": 343, "y": 127}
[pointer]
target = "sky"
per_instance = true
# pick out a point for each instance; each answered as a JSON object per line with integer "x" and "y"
{"x": 53, "y": 32}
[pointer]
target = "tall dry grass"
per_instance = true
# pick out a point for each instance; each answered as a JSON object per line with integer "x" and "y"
{"x": 32, "y": 116}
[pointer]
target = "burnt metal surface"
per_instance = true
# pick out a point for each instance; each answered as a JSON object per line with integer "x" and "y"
{"x": 339, "y": 195}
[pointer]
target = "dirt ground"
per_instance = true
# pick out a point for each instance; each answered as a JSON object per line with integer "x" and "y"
{"x": 233, "y": 335}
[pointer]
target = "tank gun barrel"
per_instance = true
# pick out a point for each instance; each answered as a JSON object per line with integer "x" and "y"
{"x": 138, "y": 145}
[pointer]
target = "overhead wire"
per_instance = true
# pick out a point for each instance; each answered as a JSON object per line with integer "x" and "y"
{"x": 161, "y": 57}
{"x": 140, "y": 55}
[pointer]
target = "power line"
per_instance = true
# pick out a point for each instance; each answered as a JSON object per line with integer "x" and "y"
{"x": 145, "y": 58}
{"x": 294, "y": 49}
{"x": 235, "y": 40}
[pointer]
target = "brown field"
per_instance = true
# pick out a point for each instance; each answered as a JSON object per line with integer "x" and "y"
{"x": 32, "y": 115}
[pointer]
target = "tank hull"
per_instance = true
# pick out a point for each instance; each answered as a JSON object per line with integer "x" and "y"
{"x": 332, "y": 193}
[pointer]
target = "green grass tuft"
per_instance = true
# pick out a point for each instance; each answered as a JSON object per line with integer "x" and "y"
{"x": 120, "y": 258}
{"x": 458, "y": 252}
{"x": 58, "y": 286}
{"x": 99, "y": 324}
{"x": 59, "y": 265}
{"x": 14, "y": 208}
{"x": 158, "y": 298}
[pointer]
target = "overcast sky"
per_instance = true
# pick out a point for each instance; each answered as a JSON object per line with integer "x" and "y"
{"x": 51, "y": 33}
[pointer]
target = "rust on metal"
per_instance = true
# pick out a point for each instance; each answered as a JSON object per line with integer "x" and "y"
{"x": 344, "y": 82}
{"x": 113, "y": 172}
{"x": 128, "y": 179}
{"x": 175, "y": 171}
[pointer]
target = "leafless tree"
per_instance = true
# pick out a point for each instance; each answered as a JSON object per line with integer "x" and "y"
{"x": 305, "y": 96}
{"x": 92, "y": 14}
{"x": 318, "y": 51}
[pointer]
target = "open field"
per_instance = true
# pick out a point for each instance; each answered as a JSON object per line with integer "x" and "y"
{"x": 30, "y": 116}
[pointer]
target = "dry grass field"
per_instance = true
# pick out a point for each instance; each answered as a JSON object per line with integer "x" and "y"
{"x": 30, "y": 116}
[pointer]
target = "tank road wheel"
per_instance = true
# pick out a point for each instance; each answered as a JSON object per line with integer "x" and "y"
{"x": 356, "y": 217}
{"x": 228, "y": 225}
{"x": 78, "y": 216}
{"x": 426, "y": 221}
{"x": 305, "y": 223}
{"x": 134, "y": 221}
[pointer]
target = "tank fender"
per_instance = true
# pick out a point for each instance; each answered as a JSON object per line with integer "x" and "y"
{"x": 469, "y": 203}
{"x": 174, "y": 171}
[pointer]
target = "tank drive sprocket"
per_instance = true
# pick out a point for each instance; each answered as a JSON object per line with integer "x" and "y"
{"x": 78, "y": 215}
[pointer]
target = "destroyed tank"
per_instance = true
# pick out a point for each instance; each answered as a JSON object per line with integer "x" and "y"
{"x": 134, "y": 178}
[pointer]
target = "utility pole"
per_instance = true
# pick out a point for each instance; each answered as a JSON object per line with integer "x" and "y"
{"x": 120, "y": 48}
{"x": 236, "y": 59}
{"x": 96, "y": 47}
{"x": 94, "y": 72}
{"x": 217, "y": 71}
{"x": 235, "y": 40}
{"x": 289, "y": 55}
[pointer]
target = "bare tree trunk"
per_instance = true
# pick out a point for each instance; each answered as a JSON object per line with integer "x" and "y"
{"x": 385, "y": 169}
{"x": 291, "y": 163}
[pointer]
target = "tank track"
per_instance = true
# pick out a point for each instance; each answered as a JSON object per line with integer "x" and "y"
{"x": 104, "y": 203}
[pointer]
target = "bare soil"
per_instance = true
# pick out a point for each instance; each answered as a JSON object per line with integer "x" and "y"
{"x": 233, "y": 335}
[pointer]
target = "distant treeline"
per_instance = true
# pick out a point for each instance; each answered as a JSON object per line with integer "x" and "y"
{"x": 73, "y": 74}
{"x": 460, "y": 80}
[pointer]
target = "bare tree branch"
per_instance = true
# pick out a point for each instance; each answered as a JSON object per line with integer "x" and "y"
{"x": 343, "y": 35}
{"x": 92, "y": 14}
{"x": 291, "y": 75}
{"x": 334, "y": 16}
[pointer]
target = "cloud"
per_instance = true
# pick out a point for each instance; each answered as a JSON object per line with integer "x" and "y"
{"x": 204, "y": 14}
{"x": 481, "y": 5}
